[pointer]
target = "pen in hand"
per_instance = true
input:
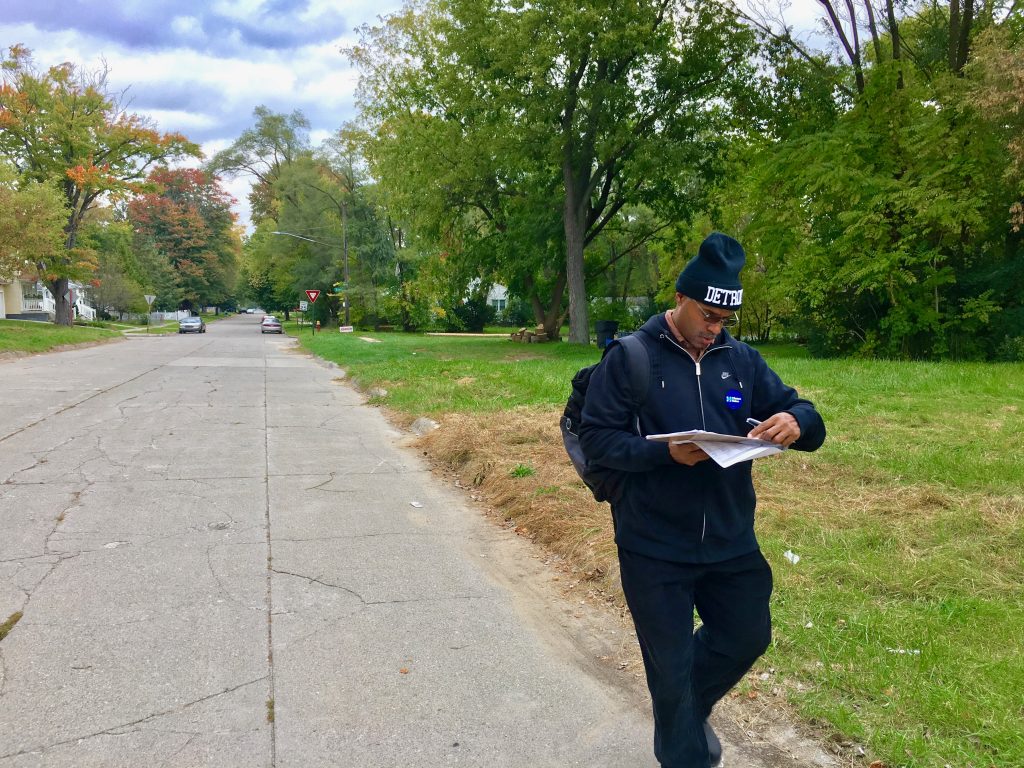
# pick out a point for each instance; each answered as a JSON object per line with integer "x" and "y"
{"x": 753, "y": 422}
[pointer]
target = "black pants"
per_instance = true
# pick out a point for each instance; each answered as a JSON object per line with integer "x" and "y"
{"x": 687, "y": 671}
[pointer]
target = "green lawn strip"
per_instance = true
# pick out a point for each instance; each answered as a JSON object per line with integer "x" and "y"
{"x": 167, "y": 327}
{"x": 29, "y": 336}
{"x": 899, "y": 626}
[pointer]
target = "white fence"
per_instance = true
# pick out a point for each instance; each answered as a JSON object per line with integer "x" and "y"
{"x": 170, "y": 315}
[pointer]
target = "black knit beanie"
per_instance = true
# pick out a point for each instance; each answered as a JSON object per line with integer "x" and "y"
{"x": 712, "y": 277}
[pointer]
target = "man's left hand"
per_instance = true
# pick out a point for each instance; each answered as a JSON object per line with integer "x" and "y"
{"x": 782, "y": 429}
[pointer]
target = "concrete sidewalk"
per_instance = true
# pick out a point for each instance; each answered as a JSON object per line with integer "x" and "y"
{"x": 224, "y": 559}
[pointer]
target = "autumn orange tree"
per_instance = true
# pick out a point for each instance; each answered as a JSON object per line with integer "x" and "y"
{"x": 64, "y": 127}
{"x": 188, "y": 220}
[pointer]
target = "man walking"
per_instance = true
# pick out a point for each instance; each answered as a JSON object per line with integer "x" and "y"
{"x": 684, "y": 526}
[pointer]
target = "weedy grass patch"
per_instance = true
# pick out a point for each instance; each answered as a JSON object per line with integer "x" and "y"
{"x": 32, "y": 337}
{"x": 9, "y": 623}
{"x": 898, "y": 548}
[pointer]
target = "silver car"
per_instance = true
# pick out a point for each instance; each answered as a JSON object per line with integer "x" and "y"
{"x": 191, "y": 325}
{"x": 270, "y": 324}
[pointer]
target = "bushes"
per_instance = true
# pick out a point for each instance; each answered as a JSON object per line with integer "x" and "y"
{"x": 630, "y": 315}
{"x": 470, "y": 315}
{"x": 1011, "y": 350}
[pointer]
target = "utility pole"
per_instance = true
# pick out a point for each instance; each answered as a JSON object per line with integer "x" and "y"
{"x": 344, "y": 255}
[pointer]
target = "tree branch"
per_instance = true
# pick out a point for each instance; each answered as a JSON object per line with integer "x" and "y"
{"x": 788, "y": 40}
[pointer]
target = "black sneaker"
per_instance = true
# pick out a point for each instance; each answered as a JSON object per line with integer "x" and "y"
{"x": 714, "y": 745}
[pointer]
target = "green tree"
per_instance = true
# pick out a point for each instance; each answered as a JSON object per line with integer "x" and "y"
{"x": 116, "y": 287}
{"x": 64, "y": 127}
{"x": 32, "y": 218}
{"x": 538, "y": 122}
{"x": 883, "y": 217}
{"x": 332, "y": 234}
{"x": 997, "y": 71}
{"x": 263, "y": 152}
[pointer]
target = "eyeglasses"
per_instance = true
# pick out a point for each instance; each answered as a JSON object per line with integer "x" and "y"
{"x": 726, "y": 322}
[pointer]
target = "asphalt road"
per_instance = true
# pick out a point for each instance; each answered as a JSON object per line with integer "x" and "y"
{"x": 223, "y": 558}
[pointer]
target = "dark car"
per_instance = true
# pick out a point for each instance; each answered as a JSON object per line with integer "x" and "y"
{"x": 270, "y": 324}
{"x": 191, "y": 325}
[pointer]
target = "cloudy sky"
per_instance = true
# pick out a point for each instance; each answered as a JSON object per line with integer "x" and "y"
{"x": 200, "y": 66}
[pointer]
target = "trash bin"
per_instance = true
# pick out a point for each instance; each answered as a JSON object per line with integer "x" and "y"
{"x": 605, "y": 332}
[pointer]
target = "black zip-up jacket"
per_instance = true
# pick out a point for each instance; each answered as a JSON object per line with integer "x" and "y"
{"x": 669, "y": 511}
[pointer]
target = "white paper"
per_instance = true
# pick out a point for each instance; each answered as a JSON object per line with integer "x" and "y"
{"x": 726, "y": 450}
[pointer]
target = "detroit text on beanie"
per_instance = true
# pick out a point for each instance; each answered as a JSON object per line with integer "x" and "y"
{"x": 713, "y": 276}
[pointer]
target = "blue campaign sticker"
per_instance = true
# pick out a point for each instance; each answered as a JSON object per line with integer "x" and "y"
{"x": 733, "y": 399}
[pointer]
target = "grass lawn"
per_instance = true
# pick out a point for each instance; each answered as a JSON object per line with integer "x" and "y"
{"x": 899, "y": 628}
{"x": 31, "y": 337}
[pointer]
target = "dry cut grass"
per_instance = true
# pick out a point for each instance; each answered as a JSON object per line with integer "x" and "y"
{"x": 516, "y": 463}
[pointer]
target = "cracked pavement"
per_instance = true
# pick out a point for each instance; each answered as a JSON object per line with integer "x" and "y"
{"x": 202, "y": 531}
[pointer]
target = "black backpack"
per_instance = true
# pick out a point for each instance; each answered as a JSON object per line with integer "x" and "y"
{"x": 606, "y": 484}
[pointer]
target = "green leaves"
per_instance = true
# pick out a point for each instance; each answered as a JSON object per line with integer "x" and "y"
{"x": 32, "y": 220}
{"x": 513, "y": 135}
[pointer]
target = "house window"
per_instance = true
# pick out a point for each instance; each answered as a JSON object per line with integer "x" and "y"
{"x": 498, "y": 304}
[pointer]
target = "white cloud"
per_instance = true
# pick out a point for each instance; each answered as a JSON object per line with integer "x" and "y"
{"x": 187, "y": 27}
{"x": 187, "y": 123}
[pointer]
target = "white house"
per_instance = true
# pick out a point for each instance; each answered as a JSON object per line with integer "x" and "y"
{"x": 28, "y": 300}
{"x": 497, "y": 297}
{"x": 6, "y": 287}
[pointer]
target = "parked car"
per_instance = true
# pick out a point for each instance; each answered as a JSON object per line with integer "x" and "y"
{"x": 270, "y": 324}
{"x": 191, "y": 325}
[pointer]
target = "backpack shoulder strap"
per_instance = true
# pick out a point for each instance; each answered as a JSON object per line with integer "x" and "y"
{"x": 638, "y": 360}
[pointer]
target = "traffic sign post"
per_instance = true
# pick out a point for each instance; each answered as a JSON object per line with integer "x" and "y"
{"x": 313, "y": 294}
{"x": 149, "y": 297}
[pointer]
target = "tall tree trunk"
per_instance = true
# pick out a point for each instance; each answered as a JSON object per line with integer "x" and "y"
{"x": 897, "y": 45}
{"x": 575, "y": 230}
{"x": 954, "y": 35}
{"x": 964, "y": 42}
{"x": 63, "y": 314}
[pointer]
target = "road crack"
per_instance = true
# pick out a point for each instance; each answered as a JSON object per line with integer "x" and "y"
{"x": 125, "y": 728}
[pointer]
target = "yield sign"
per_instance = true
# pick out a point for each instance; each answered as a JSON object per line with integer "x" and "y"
{"x": 313, "y": 294}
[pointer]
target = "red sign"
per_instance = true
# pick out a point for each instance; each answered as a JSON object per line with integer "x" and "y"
{"x": 313, "y": 295}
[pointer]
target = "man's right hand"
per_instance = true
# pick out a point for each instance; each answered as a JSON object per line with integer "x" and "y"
{"x": 686, "y": 453}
